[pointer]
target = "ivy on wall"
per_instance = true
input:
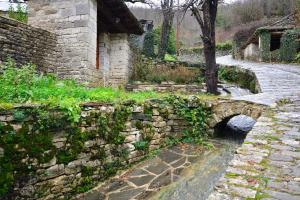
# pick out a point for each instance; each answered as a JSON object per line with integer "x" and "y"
{"x": 28, "y": 147}
{"x": 289, "y": 45}
{"x": 25, "y": 149}
{"x": 265, "y": 44}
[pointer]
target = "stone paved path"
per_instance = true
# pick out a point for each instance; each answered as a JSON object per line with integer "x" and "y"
{"x": 267, "y": 165}
{"x": 276, "y": 81}
{"x": 146, "y": 178}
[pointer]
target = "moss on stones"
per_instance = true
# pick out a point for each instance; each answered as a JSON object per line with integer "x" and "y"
{"x": 243, "y": 78}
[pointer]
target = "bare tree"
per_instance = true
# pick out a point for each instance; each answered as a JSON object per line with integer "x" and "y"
{"x": 205, "y": 12}
{"x": 168, "y": 11}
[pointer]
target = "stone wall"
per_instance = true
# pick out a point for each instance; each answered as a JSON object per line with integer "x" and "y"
{"x": 100, "y": 153}
{"x": 25, "y": 44}
{"x": 197, "y": 55}
{"x": 105, "y": 49}
{"x": 75, "y": 24}
{"x": 59, "y": 160}
{"x": 166, "y": 87}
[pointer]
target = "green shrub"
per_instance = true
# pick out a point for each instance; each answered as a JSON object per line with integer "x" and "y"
{"x": 172, "y": 40}
{"x": 20, "y": 14}
{"x": 241, "y": 78}
{"x": 142, "y": 145}
{"x": 148, "y": 46}
{"x": 226, "y": 46}
{"x": 169, "y": 57}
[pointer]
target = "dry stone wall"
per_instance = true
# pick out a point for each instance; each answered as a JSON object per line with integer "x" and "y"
{"x": 26, "y": 44}
{"x": 59, "y": 160}
{"x": 197, "y": 55}
{"x": 101, "y": 148}
{"x": 166, "y": 87}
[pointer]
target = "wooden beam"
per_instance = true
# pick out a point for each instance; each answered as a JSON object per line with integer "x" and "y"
{"x": 112, "y": 24}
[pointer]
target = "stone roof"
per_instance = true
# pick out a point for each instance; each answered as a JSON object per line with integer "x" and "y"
{"x": 115, "y": 17}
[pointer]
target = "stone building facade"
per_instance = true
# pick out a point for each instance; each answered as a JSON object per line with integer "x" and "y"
{"x": 92, "y": 36}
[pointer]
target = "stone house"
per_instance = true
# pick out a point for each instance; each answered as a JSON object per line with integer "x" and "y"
{"x": 268, "y": 43}
{"x": 92, "y": 38}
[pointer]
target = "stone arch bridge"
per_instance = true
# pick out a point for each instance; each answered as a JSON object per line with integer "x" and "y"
{"x": 226, "y": 109}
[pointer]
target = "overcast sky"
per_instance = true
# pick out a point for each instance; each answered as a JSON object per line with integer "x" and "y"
{"x": 158, "y": 1}
{"x": 4, "y": 5}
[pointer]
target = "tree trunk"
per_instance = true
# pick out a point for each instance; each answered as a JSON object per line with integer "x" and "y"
{"x": 209, "y": 43}
{"x": 165, "y": 33}
{"x": 211, "y": 67}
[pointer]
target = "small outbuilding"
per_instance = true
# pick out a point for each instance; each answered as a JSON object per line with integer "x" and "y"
{"x": 92, "y": 37}
{"x": 276, "y": 42}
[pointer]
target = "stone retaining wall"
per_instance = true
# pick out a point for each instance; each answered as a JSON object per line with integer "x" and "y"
{"x": 25, "y": 44}
{"x": 166, "y": 87}
{"x": 197, "y": 55}
{"x": 103, "y": 151}
{"x": 61, "y": 160}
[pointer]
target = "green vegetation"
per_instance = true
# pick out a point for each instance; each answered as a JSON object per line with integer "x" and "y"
{"x": 265, "y": 38}
{"x": 59, "y": 110}
{"x": 145, "y": 70}
{"x": 242, "y": 78}
{"x": 197, "y": 117}
{"x": 148, "y": 46}
{"x": 172, "y": 40}
{"x": 226, "y": 46}
{"x": 34, "y": 141}
{"x": 169, "y": 57}
{"x": 24, "y": 85}
{"x": 19, "y": 14}
{"x": 289, "y": 45}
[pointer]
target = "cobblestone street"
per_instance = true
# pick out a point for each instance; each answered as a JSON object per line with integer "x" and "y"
{"x": 267, "y": 165}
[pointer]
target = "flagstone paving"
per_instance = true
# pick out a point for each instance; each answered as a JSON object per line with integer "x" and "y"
{"x": 145, "y": 179}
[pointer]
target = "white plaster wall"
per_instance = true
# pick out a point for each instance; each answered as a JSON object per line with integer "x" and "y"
{"x": 252, "y": 52}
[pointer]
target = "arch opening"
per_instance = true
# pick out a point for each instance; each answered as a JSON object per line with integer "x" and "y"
{"x": 235, "y": 127}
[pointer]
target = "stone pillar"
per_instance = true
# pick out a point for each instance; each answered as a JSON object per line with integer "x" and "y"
{"x": 120, "y": 61}
{"x": 105, "y": 48}
{"x": 75, "y": 23}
